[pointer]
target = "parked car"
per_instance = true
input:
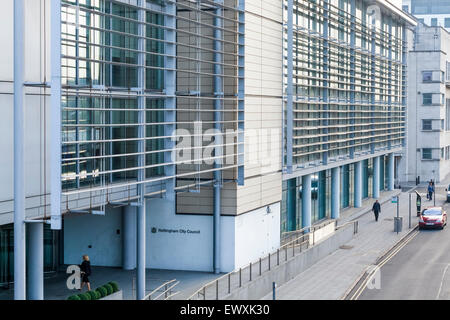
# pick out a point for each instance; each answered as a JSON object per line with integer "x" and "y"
{"x": 433, "y": 217}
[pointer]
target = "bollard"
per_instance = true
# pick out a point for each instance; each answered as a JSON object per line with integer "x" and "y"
{"x": 217, "y": 289}
{"x": 240, "y": 277}
{"x": 259, "y": 266}
{"x": 274, "y": 286}
{"x": 250, "y": 271}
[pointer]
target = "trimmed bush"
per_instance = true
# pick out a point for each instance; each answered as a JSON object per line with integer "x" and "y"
{"x": 84, "y": 296}
{"x": 102, "y": 291}
{"x": 92, "y": 295}
{"x": 108, "y": 288}
{"x": 114, "y": 285}
{"x": 74, "y": 297}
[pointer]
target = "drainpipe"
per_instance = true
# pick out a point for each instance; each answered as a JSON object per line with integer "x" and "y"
{"x": 217, "y": 126}
{"x": 19, "y": 178}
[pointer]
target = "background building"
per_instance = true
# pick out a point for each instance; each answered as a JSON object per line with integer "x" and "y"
{"x": 430, "y": 12}
{"x": 427, "y": 154}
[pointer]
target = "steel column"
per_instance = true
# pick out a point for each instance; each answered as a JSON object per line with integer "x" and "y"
{"x": 218, "y": 93}
{"x": 55, "y": 116}
{"x": 19, "y": 142}
{"x": 290, "y": 85}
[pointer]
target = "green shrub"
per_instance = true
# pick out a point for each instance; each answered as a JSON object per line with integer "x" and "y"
{"x": 102, "y": 291}
{"x": 108, "y": 288}
{"x": 93, "y": 295}
{"x": 114, "y": 285}
{"x": 97, "y": 295}
{"x": 74, "y": 297}
{"x": 84, "y": 296}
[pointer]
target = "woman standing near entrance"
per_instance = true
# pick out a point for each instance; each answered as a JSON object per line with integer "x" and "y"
{"x": 85, "y": 268}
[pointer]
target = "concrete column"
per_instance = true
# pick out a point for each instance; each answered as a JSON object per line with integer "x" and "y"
{"x": 391, "y": 167}
{"x": 376, "y": 177}
{"x": 291, "y": 204}
{"x": 306, "y": 201}
{"x": 335, "y": 192}
{"x": 358, "y": 184}
{"x": 140, "y": 259}
{"x": 35, "y": 261}
{"x": 129, "y": 237}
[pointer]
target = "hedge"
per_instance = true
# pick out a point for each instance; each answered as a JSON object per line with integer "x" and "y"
{"x": 108, "y": 288}
{"x": 84, "y": 296}
{"x": 114, "y": 285}
{"x": 102, "y": 291}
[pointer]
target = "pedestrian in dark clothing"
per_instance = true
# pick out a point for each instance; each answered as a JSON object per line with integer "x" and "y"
{"x": 85, "y": 268}
{"x": 430, "y": 191}
{"x": 376, "y": 209}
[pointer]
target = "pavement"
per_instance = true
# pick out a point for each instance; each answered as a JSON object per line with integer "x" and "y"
{"x": 55, "y": 284}
{"x": 330, "y": 278}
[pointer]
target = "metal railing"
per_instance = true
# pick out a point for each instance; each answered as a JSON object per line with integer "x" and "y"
{"x": 292, "y": 246}
{"x": 164, "y": 291}
{"x": 355, "y": 226}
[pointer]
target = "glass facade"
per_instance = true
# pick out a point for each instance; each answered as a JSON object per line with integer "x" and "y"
{"x": 348, "y": 81}
{"x": 291, "y": 205}
{"x": 133, "y": 75}
{"x": 51, "y": 252}
{"x": 430, "y": 7}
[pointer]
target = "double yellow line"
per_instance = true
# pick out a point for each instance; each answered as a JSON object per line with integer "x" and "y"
{"x": 403, "y": 242}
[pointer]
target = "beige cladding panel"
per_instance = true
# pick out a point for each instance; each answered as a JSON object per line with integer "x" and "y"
{"x": 263, "y": 117}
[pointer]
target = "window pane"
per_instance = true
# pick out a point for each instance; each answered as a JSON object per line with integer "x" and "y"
{"x": 427, "y": 76}
{"x": 427, "y": 154}
{"x": 427, "y": 98}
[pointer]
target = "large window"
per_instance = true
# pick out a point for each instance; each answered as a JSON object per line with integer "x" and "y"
{"x": 427, "y": 76}
{"x": 447, "y": 22}
{"x": 430, "y": 6}
{"x": 427, "y": 125}
{"x": 427, "y": 153}
{"x": 427, "y": 99}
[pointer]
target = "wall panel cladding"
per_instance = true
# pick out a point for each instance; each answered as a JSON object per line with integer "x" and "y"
{"x": 263, "y": 107}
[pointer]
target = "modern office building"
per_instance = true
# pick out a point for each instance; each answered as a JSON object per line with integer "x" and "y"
{"x": 434, "y": 13}
{"x": 345, "y": 79}
{"x": 427, "y": 154}
{"x": 133, "y": 146}
{"x": 187, "y": 134}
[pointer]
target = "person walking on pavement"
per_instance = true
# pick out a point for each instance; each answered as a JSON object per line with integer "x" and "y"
{"x": 376, "y": 209}
{"x": 430, "y": 191}
{"x": 85, "y": 268}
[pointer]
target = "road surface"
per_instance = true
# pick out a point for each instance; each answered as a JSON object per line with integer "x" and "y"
{"x": 420, "y": 270}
